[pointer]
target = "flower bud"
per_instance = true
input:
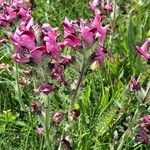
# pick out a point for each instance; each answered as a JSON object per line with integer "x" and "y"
{"x": 36, "y": 107}
{"x": 27, "y": 73}
{"x": 75, "y": 114}
{"x": 66, "y": 144}
{"x": 22, "y": 81}
{"x": 46, "y": 88}
{"x": 40, "y": 131}
{"x": 142, "y": 137}
{"x": 58, "y": 117}
{"x": 134, "y": 85}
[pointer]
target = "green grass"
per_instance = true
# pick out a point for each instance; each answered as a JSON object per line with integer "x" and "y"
{"x": 107, "y": 107}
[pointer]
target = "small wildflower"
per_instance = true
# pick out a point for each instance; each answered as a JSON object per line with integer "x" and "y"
{"x": 58, "y": 117}
{"x": 40, "y": 131}
{"x": 134, "y": 85}
{"x": 142, "y": 137}
{"x": 66, "y": 144}
{"x": 36, "y": 107}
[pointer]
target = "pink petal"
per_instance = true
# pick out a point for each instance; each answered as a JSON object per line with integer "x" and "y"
{"x": 38, "y": 52}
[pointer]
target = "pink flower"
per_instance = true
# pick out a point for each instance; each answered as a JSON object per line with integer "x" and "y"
{"x": 12, "y": 13}
{"x": 1, "y": 2}
{"x": 88, "y": 34}
{"x": 37, "y": 53}
{"x": 52, "y": 47}
{"x": 99, "y": 56}
{"x": 108, "y": 5}
{"x": 101, "y": 31}
{"x": 134, "y": 85}
{"x": 68, "y": 27}
{"x": 66, "y": 60}
{"x": 73, "y": 41}
{"x": 58, "y": 117}
{"x": 145, "y": 119}
{"x": 93, "y": 4}
{"x": 40, "y": 131}
{"x": 57, "y": 72}
{"x": 2, "y": 40}
{"x": 143, "y": 50}
{"x": 27, "y": 40}
{"x": 3, "y": 21}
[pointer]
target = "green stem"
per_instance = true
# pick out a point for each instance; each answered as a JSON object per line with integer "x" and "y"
{"x": 125, "y": 135}
{"x": 47, "y": 123}
{"x": 22, "y": 105}
{"x": 79, "y": 81}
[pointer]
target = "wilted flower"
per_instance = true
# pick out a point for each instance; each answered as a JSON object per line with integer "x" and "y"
{"x": 36, "y": 107}
{"x": 142, "y": 137}
{"x": 66, "y": 60}
{"x": 58, "y": 117}
{"x": 28, "y": 73}
{"x": 66, "y": 144}
{"x": 4, "y": 66}
{"x": 20, "y": 57}
{"x": 134, "y": 85}
{"x": 99, "y": 56}
{"x": 57, "y": 72}
{"x": 22, "y": 81}
{"x": 75, "y": 113}
{"x": 2, "y": 40}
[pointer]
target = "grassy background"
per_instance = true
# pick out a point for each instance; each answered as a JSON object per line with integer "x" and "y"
{"x": 106, "y": 105}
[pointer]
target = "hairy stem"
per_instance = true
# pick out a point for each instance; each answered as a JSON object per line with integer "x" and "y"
{"x": 18, "y": 90}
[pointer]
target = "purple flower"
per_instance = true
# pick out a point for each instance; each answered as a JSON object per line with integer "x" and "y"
{"x": 143, "y": 50}
{"x": 37, "y": 53}
{"x": 99, "y": 56}
{"x": 36, "y": 107}
{"x": 142, "y": 137}
{"x": 134, "y": 85}
{"x": 46, "y": 88}
{"x": 58, "y": 117}
{"x": 66, "y": 59}
{"x": 57, "y": 72}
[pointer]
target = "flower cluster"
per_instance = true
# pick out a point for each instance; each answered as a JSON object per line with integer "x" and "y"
{"x": 143, "y": 128}
{"x": 15, "y": 9}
